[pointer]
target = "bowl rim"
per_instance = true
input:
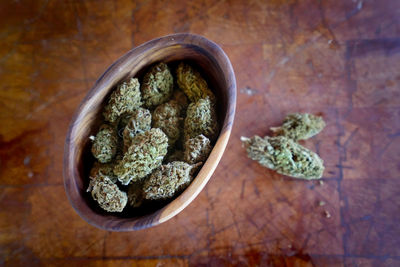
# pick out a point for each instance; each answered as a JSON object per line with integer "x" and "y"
{"x": 163, "y": 214}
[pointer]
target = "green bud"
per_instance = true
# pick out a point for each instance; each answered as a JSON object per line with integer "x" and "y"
{"x": 300, "y": 126}
{"x": 135, "y": 194}
{"x": 126, "y": 98}
{"x": 157, "y": 85}
{"x": 167, "y": 117}
{"x": 105, "y": 144}
{"x": 107, "y": 194}
{"x": 284, "y": 156}
{"x": 146, "y": 153}
{"x": 105, "y": 169}
{"x": 140, "y": 121}
{"x": 201, "y": 119}
{"x": 197, "y": 149}
{"x": 191, "y": 82}
{"x": 168, "y": 180}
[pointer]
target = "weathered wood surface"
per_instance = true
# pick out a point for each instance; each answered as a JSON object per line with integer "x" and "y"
{"x": 340, "y": 59}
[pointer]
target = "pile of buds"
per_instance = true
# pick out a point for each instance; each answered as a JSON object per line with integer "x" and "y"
{"x": 155, "y": 137}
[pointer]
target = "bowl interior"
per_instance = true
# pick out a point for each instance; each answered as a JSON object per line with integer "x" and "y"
{"x": 89, "y": 117}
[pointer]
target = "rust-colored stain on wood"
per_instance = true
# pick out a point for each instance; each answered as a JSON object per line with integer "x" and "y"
{"x": 339, "y": 59}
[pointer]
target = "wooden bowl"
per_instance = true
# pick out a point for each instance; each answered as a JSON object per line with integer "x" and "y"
{"x": 217, "y": 69}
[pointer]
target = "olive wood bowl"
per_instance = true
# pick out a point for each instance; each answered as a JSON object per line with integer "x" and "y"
{"x": 211, "y": 61}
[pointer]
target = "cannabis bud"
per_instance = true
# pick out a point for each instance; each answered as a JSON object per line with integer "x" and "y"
{"x": 105, "y": 144}
{"x": 191, "y": 82}
{"x": 107, "y": 194}
{"x": 146, "y": 153}
{"x": 103, "y": 169}
{"x": 126, "y": 98}
{"x": 168, "y": 180}
{"x": 284, "y": 156}
{"x": 140, "y": 121}
{"x": 201, "y": 119}
{"x": 135, "y": 194}
{"x": 197, "y": 149}
{"x": 300, "y": 126}
{"x": 167, "y": 118}
{"x": 157, "y": 85}
{"x": 132, "y": 145}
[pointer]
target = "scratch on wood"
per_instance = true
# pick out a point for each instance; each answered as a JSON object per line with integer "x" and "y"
{"x": 243, "y": 189}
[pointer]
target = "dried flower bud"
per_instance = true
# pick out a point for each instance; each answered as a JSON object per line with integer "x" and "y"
{"x": 140, "y": 121}
{"x": 135, "y": 194}
{"x": 107, "y": 194}
{"x": 157, "y": 85}
{"x": 191, "y": 82}
{"x": 144, "y": 155}
{"x": 105, "y": 144}
{"x": 284, "y": 156}
{"x": 105, "y": 169}
{"x": 197, "y": 149}
{"x": 126, "y": 98}
{"x": 300, "y": 126}
{"x": 168, "y": 180}
{"x": 201, "y": 119}
{"x": 167, "y": 117}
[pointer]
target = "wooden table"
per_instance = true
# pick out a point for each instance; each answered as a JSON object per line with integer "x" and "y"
{"x": 340, "y": 59}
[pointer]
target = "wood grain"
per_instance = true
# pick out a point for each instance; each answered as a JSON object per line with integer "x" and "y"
{"x": 215, "y": 65}
{"x": 339, "y": 59}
